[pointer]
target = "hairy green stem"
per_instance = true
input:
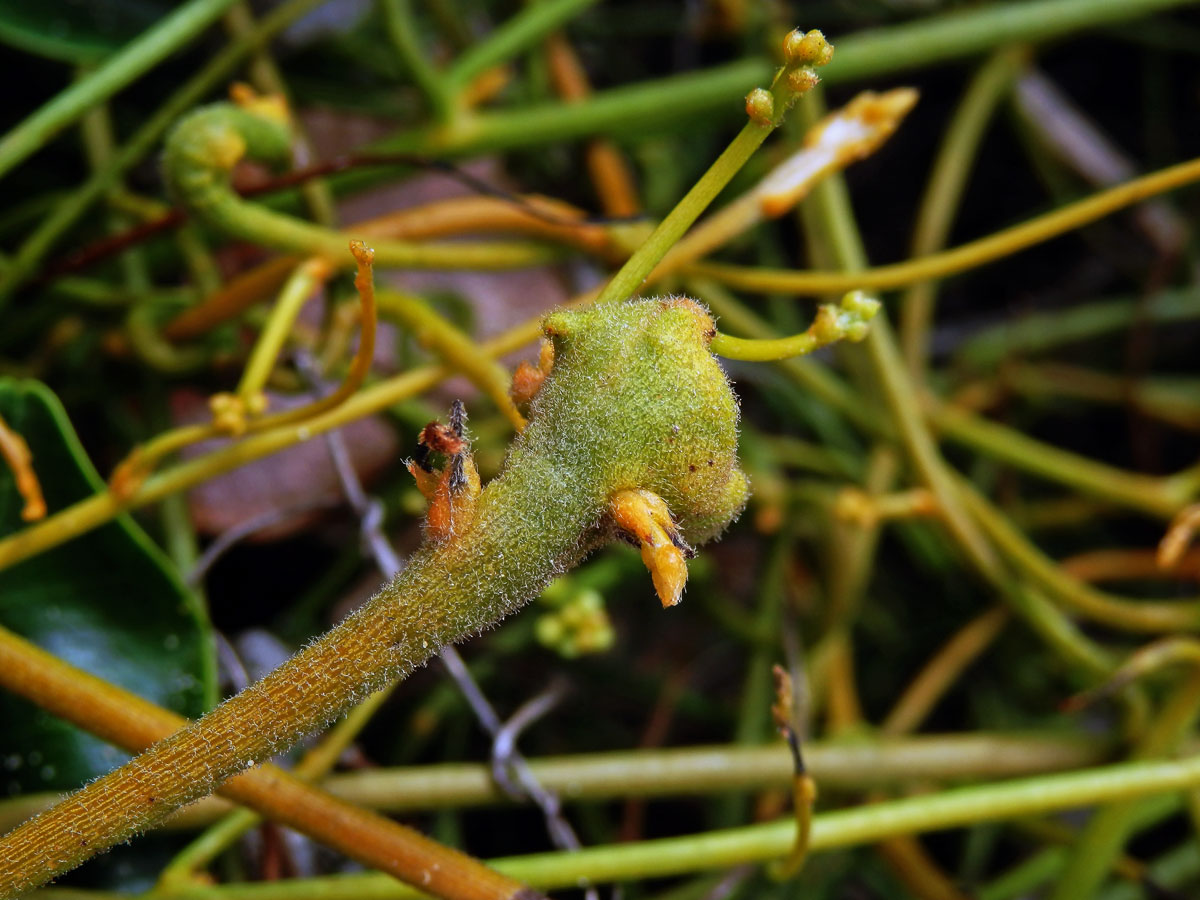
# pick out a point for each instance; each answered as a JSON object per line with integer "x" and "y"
{"x": 316, "y": 763}
{"x": 133, "y": 61}
{"x": 635, "y": 400}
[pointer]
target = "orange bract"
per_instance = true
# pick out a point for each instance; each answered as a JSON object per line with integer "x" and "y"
{"x": 644, "y": 516}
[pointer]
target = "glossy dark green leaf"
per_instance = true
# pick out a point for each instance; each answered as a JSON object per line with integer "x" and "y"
{"x": 108, "y": 602}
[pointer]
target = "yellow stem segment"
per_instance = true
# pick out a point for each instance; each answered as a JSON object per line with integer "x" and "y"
{"x": 960, "y": 259}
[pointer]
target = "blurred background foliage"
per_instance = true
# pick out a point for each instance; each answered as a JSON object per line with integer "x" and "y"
{"x": 1086, "y": 344}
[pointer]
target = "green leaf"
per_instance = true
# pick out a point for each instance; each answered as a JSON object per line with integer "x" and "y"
{"x": 109, "y": 602}
{"x": 77, "y": 33}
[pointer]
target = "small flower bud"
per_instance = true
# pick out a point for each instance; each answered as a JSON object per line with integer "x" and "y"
{"x": 803, "y": 80}
{"x": 760, "y": 106}
{"x": 809, "y": 49}
{"x": 860, "y": 304}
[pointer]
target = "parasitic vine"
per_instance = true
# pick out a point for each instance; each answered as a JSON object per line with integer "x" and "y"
{"x": 631, "y": 435}
{"x": 634, "y": 418}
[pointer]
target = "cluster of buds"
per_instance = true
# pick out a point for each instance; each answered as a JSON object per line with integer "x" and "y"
{"x": 578, "y": 623}
{"x": 803, "y": 53}
{"x": 232, "y": 412}
{"x": 847, "y": 321}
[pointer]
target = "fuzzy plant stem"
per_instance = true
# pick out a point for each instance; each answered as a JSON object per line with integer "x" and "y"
{"x": 134, "y": 723}
{"x": 387, "y": 639}
{"x": 315, "y": 764}
{"x": 635, "y": 403}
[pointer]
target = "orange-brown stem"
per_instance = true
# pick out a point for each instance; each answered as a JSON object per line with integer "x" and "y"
{"x": 15, "y": 453}
{"x": 533, "y": 215}
{"x": 128, "y": 721}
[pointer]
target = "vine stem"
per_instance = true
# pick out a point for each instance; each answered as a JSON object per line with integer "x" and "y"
{"x": 99, "y": 508}
{"x": 486, "y": 553}
{"x": 133, "y": 61}
{"x": 517, "y": 33}
{"x": 611, "y": 177}
{"x": 203, "y": 149}
{"x": 833, "y": 210}
{"x": 538, "y": 216}
{"x": 763, "y": 120}
{"x": 620, "y": 109}
{"x": 970, "y": 31}
{"x": 951, "y": 168}
{"x": 628, "y": 280}
{"x": 968, "y": 256}
{"x": 402, "y": 29}
{"x": 1125, "y": 613}
{"x": 1105, "y": 834}
{"x": 266, "y": 77}
{"x": 854, "y": 764}
{"x": 1154, "y": 496}
{"x": 860, "y": 56}
{"x": 230, "y": 411}
{"x": 459, "y": 351}
{"x": 71, "y": 208}
{"x": 722, "y": 849}
{"x": 943, "y": 670}
{"x": 305, "y": 280}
